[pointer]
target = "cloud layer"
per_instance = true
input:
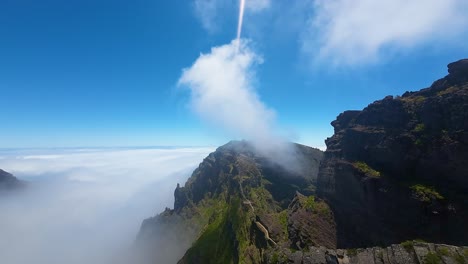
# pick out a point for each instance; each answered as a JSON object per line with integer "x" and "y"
{"x": 86, "y": 206}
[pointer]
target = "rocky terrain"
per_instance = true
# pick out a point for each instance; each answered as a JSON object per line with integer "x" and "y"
{"x": 409, "y": 252}
{"x": 237, "y": 204}
{"x": 9, "y": 182}
{"x": 393, "y": 176}
{"x": 396, "y": 170}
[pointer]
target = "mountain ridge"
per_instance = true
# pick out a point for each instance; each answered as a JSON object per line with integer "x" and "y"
{"x": 9, "y": 182}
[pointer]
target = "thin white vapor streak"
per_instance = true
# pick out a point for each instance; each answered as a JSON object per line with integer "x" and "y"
{"x": 241, "y": 18}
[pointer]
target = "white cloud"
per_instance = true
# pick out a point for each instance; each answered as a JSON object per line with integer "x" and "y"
{"x": 86, "y": 206}
{"x": 349, "y": 32}
{"x": 207, "y": 12}
{"x": 257, "y": 5}
{"x": 222, "y": 92}
{"x": 211, "y": 13}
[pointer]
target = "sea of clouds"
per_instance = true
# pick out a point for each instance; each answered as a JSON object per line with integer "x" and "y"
{"x": 86, "y": 205}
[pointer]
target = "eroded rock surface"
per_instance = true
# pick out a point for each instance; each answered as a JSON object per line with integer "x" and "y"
{"x": 396, "y": 170}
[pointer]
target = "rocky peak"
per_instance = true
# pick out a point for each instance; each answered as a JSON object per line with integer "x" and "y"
{"x": 458, "y": 70}
{"x": 397, "y": 166}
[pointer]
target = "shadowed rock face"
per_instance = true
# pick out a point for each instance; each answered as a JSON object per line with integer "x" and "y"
{"x": 9, "y": 182}
{"x": 397, "y": 169}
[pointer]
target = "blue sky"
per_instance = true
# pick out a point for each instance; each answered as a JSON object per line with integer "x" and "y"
{"x": 106, "y": 73}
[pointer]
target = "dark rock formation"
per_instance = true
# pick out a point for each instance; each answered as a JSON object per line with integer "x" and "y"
{"x": 410, "y": 252}
{"x": 396, "y": 170}
{"x": 9, "y": 182}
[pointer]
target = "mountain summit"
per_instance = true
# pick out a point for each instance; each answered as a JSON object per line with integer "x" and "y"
{"x": 236, "y": 205}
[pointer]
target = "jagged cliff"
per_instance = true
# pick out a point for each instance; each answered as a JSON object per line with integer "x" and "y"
{"x": 237, "y": 204}
{"x": 396, "y": 170}
{"x": 392, "y": 172}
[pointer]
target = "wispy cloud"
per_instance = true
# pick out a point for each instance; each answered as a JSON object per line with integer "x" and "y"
{"x": 345, "y": 32}
{"x": 207, "y": 11}
{"x": 85, "y": 206}
{"x": 222, "y": 92}
{"x": 211, "y": 13}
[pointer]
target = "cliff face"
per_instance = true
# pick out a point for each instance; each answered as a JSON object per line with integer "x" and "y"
{"x": 396, "y": 170}
{"x": 238, "y": 204}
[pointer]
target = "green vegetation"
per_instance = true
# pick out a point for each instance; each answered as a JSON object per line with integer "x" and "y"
{"x": 364, "y": 168}
{"x": 310, "y": 203}
{"x": 419, "y": 128}
{"x": 276, "y": 258}
{"x": 225, "y": 235}
{"x": 413, "y": 99}
{"x": 351, "y": 252}
{"x": 212, "y": 245}
{"x": 317, "y": 206}
{"x": 419, "y": 142}
{"x": 425, "y": 193}
{"x": 408, "y": 245}
{"x": 261, "y": 198}
{"x": 443, "y": 251}
{"x": 432, "y": 258}
{"x": 283, "y": 219}
{"x": 412, "y": 103}
{"x": 447, "y": 91}
{"x": 458, "y": 258}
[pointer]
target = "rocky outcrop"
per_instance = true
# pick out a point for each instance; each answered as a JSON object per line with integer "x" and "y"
{"x": 9, "y": 182}
{"x": 396, "y": 170}
{"x": 238, "y": 204}
{"x": 310, "y": 223}
{"x": 410, "y": 252}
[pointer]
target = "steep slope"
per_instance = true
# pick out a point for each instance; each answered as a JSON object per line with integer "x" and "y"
{"x": 9, "y": 182}
{"x": 237, "y": 204}
{"x": 397, "y": 169}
